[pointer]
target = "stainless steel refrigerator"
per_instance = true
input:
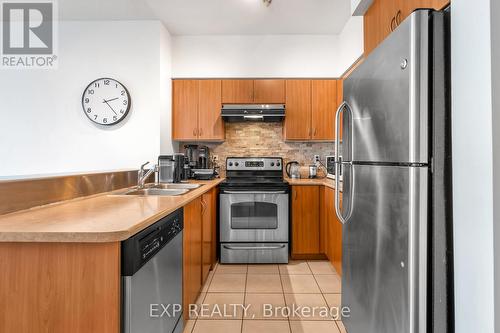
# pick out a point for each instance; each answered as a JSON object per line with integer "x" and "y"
{"x": 396, "y": 204}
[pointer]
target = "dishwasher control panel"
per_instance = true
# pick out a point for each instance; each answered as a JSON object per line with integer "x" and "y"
{"x": 140, "y": 248}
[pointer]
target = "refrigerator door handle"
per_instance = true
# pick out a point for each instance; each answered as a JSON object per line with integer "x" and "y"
{"x": 338, "y": 163}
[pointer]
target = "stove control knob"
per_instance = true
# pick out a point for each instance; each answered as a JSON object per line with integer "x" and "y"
{"x": 278, "y": 164}
{"x": 272, "y": 163}
{"x": 230, "y": 163}
{"x": 236, "y": 164}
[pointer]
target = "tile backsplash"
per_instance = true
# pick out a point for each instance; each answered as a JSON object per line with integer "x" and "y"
{"x": 266, "y": 139}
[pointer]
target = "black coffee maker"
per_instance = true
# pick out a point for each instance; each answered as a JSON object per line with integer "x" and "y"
{"x": 191, "y": 155}
{"x": 204, "y": 157}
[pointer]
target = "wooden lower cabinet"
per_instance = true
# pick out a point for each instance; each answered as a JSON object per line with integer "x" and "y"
{"x": 60, "y": 287}
{"x": 209, "y": 202}
{"x": 305, "y": 220}
{"x": 332, "y": 229}
{"x": 199, "y": 245}
{"x": 192, "y": 254}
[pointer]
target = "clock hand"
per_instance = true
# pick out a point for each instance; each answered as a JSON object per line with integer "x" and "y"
{"x": 109, "y": 100}
{"x": 110, "y": 107}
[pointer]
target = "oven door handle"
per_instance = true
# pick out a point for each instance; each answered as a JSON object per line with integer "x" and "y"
{"x": 277, "y": 247}
{"x": 253, "y": 192}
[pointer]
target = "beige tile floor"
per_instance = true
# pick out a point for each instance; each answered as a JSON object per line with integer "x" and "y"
{"x": 300, "y": 283}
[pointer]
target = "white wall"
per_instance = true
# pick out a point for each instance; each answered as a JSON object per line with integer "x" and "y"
{"x": 495, "y": 89}
{"x": 167, "y": 146}
{"x": 267, "y": 55}
{"x": 472, "y": 166}
{"x": 43, "y": 129}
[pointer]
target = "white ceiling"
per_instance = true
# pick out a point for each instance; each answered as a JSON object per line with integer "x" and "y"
{"x": 220, "y": 17}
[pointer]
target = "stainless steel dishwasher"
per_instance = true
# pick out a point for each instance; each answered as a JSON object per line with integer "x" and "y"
{"x": 152, "y": 278}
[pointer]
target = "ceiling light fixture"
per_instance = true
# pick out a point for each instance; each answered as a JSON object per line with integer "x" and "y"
{"x": 267, "y": 2}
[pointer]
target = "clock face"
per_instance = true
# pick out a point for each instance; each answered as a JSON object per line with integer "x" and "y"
{"x": 106, "y": 101}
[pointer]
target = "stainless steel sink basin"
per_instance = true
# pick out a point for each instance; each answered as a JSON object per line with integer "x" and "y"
{"x": 157, "y": 191}
{"x": 176, "y": 186}
{"x": 161, "y": 189}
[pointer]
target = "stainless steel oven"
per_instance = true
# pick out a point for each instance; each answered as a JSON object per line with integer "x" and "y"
{"x": 254, "y": 212}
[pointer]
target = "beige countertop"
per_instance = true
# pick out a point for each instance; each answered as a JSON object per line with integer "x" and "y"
{"x": 315, "y": 181}
{"x": 100, "y": 218}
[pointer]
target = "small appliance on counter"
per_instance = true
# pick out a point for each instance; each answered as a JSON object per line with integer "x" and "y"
{"x": 293, "y": 170}
{"x": 203, "y": 174}
{"x": 171, "y": 168}
{"x": 191, "y": 154}
{"x": 203, "y": 157}
{"x": 330, "y": 166}
{"x": 166, "y": 167}
{"x": 198, "y": 163}
{"x": 313, "y": 171}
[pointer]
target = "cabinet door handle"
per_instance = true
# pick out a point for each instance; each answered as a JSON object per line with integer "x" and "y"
{"x": 203, "y": 206}
{"x": 295, "y": 196}
{"x": 398, "y": 18}
{"x": 393, "y": 23}
{"x": 314, "y": 134}
{"x": 194, "y": 131}
{"x": 200, "y": 130}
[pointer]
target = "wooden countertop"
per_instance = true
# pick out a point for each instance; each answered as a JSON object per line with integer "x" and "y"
{"x": 100, "y": 218}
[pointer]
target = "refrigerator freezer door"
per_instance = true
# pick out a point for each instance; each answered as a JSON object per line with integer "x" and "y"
{"x": 388, "y": 97}
{"x": 384, "y": 249}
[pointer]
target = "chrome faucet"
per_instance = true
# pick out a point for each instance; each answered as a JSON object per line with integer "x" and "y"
{"x": 143, "y": 174}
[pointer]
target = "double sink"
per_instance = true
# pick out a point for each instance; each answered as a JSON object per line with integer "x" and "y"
{"x": 160, "y": 189}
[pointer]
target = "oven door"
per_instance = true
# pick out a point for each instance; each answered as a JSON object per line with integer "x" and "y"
{"x": 254, "y": 216}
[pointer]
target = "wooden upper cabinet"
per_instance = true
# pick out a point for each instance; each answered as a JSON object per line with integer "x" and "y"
{"x": 408, "y": 6}
{"x": 237, "y": 91}
{"x": 269, "y": 91}
{"x": 384, "y": 16}
{"x": 196, "y": 110}
{"x": 324, "y": 105}
{"x": 210, "y": 124}
{"x": 340, "y": 100}
{"x": 310, "y": 109}
{"x": 305, "y": 220}
{"x": 253, "y": 91}
{"x": 185, "y": 109}
{"x": 298, "y": 110}
{"x": 379, "y": 21}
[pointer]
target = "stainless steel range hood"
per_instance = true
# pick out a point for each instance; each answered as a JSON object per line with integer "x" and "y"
{"x": 253, "y": 112}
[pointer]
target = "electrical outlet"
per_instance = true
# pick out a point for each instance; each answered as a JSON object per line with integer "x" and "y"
{"x": 316, "y": 159}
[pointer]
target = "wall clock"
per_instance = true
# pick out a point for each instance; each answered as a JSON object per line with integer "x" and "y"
{"x": 106, "y": 101}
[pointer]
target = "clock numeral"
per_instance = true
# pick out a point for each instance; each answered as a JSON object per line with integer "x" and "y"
{"x": 115, "y": 118}
{"x": 95, "y": 117}
{"x": 121, "y": 111}
{"x": 87, "y": 100}
{"x": 106, "y": 82}
{"x": 125, "y": 102}
{"x": 123, "y": 92}
{"x": 91, "y": 91}
{"x": 89, "y": 110}
{"x": 96, "y": 84}
{"x": 105, "y": 120}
